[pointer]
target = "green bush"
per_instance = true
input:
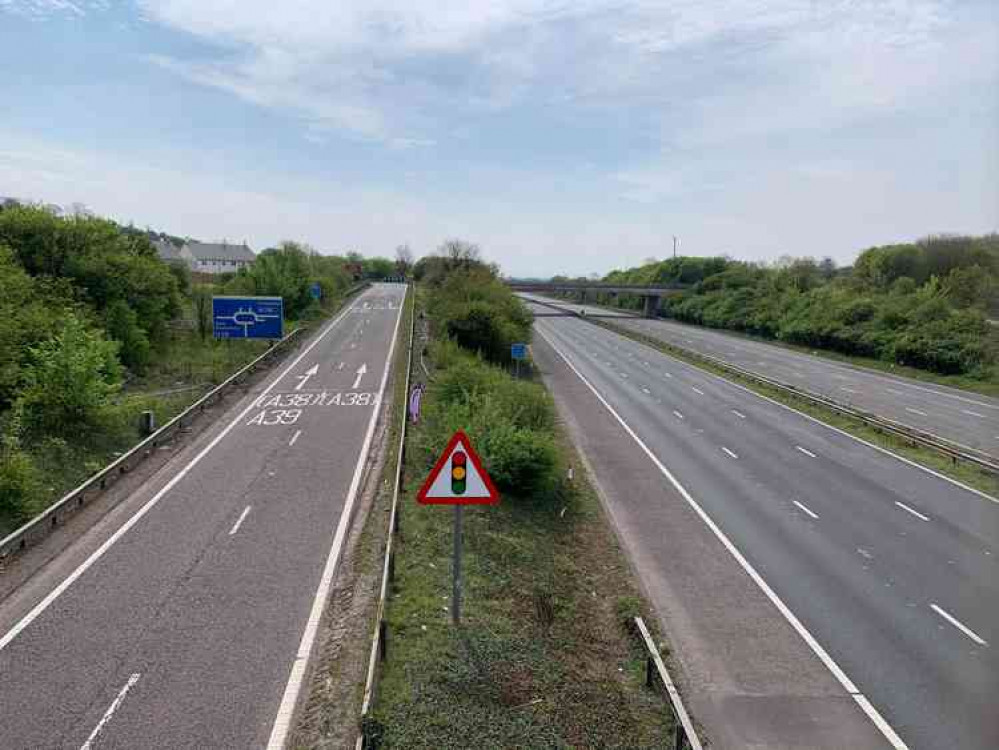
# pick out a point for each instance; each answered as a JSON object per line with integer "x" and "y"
{"x": 70, "y": 378}
{"x": 479, "y": 312}
{"x": 122, "y": 325}
{"x": 19, "y": 485}
{"x": 19, "y": 478}
{"x": 510, "y": 422}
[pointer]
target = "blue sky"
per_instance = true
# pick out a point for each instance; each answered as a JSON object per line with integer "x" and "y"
{"x": 563, "y": 137}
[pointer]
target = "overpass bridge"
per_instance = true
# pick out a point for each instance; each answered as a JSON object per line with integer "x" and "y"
{"x": 651, "y": 295}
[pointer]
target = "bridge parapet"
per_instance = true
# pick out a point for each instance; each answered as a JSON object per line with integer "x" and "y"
{"x": 651, "y": 295}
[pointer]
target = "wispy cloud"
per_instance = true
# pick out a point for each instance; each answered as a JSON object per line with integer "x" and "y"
{"x": 42, "y": 9}
{"x": 381, "y": 70}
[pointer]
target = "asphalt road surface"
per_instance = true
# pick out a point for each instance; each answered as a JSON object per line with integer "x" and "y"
{"x": 890, "y": 571}
{"x": 966, "y": 418}
{"x": 182, "y": 621}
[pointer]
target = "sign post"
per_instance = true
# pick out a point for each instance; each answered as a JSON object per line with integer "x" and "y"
{"x": 458, "y": 479}
{"x": 456, "y": 569}
{"x": 517, "y": 353}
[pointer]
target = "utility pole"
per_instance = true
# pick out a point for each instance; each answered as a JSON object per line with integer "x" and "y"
{"x": 674, "y": 247}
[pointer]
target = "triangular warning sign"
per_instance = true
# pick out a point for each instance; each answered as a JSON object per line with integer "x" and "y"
{"x": 458, "y": 477}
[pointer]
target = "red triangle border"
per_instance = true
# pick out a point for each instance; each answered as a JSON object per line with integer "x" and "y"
{"x": 458, "y": 437}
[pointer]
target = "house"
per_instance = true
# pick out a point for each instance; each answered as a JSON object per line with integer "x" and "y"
{"x": 206, "y": 257}
{"x": 217, "y": 257}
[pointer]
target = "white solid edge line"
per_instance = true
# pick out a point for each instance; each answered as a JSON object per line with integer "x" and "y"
{"x": 96, "y": 555}
{"x": 134, "y": 678}
{"x": 959, "y": 625}
{"x": 816, "y": 420}
{"x": 792, "y": 619}
{"x": 733, "y": 455}
{"x": 286, "y": 711}
{"x": 806, "y": 451}
{"x": 914, "y": 512}
{"x": 806, "y": 510}
{"x": 239, "y": 521}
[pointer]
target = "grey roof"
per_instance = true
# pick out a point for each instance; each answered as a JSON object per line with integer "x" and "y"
{"x": 220, "y": 251}
{"x": 167, "y": 250}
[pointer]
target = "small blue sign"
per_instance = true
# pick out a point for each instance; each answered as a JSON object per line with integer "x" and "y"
{"x": 518, "y": 351}
{"x": 316, "y": 290}
{"x": 248, "y": 317}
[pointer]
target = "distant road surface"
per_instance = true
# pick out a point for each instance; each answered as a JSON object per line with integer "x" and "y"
{"x": 891, "y": 569}
{"x": 959, "y": 416}
{"x": 182, "y": 619}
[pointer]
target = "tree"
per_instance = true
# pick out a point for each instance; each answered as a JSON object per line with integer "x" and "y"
{"x": 201, "y": 297}
{"x": 106, "y": 262}
{"x": 122, "y": 325}
{"x": 403, "y": 260}
{"x": 278, "y": 272}
{"x": 70, "y": 378}
{"x": 459, "y": 253}
{"x": 31, "y": 311}
{"x": 827, "y": 267}
{"x": 378, "y": 268}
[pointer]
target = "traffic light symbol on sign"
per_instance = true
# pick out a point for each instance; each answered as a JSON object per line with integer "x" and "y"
{"x": 459, "y": 472}
{"x": 457, "y": 477}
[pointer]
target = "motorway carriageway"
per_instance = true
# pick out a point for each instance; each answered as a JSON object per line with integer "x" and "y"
{"x": 962, "y": 417}
{"x": 891, "y": 570}
{"x": 184, "y": 618}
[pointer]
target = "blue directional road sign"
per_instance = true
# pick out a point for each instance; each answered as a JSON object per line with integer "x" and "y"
{"x": 316, "y": 290}
{"x": 518, "y": 351}
{"x": 248, "y": 317}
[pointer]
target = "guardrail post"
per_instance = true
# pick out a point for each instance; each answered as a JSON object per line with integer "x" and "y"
{"x": 383, "y": 639}
{"x": 679, "y": 737}
{"x": 147, "y": 423}
{"x": 650, "y": 671}
{"x": 391, "y": 567}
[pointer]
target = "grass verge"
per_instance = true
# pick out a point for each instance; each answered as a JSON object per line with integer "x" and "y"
{"x": 543, "y": 658}
{"x": 968, "y": 474}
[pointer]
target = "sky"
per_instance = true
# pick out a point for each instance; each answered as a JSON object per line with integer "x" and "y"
{"x": 561, "y": 136}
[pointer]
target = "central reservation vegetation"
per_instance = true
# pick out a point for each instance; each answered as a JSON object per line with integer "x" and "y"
{"x": 542, "y": 658}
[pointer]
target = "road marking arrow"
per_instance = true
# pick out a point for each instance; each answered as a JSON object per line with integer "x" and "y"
{"x": 302, "y": 379}
{"x": 360, "y": 374}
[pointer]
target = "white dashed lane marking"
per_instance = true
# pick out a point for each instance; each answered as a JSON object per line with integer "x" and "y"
{"x": 959, "y": 625}
{"x": 806, "y": 510}
{"x": 914, "y": 512}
